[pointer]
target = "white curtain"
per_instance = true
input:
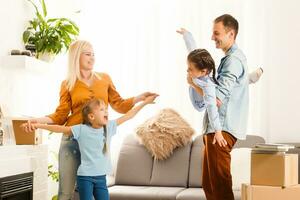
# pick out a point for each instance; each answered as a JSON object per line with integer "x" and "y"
{"x": 135, "y": 41}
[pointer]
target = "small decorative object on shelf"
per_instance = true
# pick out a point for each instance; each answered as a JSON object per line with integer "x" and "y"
{"x": 26, "y": 53}
{"x": 16, "y": 52}
{"x": 1, "y": 129}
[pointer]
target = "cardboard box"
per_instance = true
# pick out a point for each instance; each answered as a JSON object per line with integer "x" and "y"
{"x": 274, "y": 169}
{"x": 22, "y": 137}
{"x": 259, "y": 192}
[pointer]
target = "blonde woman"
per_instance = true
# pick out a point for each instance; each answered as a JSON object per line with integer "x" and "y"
{"x": 81, "y": 85}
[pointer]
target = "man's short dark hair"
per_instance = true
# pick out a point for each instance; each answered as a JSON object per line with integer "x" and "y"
{"x": 229, "y": 22}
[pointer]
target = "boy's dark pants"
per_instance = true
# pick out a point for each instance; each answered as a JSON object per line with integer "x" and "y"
{"x": 217, "y": 181}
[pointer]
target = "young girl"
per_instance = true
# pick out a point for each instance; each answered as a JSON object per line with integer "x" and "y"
{"x": 202, "y": 88}
{"x": 94, "y": 137}
{"x": 190, "y": 44}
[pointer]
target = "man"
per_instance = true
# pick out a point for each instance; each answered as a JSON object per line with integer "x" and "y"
{"x": 232, "y": 99}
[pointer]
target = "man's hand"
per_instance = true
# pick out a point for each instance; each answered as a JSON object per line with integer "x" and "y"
{"x": 218, "y": 138}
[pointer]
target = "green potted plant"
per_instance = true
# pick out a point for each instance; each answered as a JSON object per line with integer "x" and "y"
{"x": 49, "y": 36}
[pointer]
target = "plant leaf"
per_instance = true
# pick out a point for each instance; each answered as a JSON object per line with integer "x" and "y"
{"x": 44, "y": 8}
{"x": 26, "y": 36}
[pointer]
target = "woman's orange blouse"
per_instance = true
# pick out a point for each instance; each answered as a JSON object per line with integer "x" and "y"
{"x": 71, "y": 102}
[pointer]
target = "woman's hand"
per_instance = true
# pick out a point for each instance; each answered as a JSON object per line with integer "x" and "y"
{"x": 29, "y": 125}
{"x": 218, "y": 138}
{"x": 150, "y": 99}
{"x": 143, "y": 96}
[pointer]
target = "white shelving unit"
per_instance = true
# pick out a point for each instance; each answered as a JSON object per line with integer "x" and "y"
{"x": 24, "y": 62}
{"x": 24, "y": 86}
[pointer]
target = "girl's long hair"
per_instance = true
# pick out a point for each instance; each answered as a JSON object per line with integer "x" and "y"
{"x": 86, "y": 110}
{"x": 203, "y": 60}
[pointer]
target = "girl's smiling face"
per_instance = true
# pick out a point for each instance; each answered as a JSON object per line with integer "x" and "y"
{"x": 99, "y": 115}
{"x": 194, "y": 72}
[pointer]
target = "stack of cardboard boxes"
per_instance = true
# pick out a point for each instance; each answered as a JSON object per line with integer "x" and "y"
{"x": 274, "y": 176}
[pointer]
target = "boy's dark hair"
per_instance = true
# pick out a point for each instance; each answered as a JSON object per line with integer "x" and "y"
{"x": 203, "y": 60}
{"x": 229, "y": 22}
{"x": 86, "y": 110}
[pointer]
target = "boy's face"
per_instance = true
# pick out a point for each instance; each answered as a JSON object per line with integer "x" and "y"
{"x": 194, "y": 72}
{"x": 99, "y": 115}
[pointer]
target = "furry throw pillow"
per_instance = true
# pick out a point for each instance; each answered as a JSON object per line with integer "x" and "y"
{"x": 164, "y": 132}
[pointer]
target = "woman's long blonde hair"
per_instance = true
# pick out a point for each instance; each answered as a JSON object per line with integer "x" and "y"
{"x": 75, "y": 50}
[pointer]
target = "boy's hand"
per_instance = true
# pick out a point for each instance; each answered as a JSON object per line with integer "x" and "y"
{"x": 181, "y": 31}
{"x": 150, "y": 99}
{"x": 218, "y": 138}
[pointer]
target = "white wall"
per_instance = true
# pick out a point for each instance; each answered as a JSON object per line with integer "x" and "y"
{"x": 272, "y": 43}
{"x": 31, "y": 92}
{"x": 282, "y": 96}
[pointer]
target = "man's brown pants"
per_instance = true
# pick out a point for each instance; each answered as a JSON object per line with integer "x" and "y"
{"x": 217, "y": 181}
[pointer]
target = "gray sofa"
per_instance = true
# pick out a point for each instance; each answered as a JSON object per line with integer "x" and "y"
{"x": 139, "y": 177}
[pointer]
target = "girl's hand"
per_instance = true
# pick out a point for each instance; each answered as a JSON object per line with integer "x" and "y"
{"x": 181, "y": 31}
{"x": 189, "y": 80}
{"x": 142, "y": 97}
{"x": 218, "y": 138}
{"x": 29, "y": 125}
{"x": 150, "y": 99}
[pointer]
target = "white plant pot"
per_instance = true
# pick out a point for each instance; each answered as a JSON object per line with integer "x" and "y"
{"x": 47, "y": 57}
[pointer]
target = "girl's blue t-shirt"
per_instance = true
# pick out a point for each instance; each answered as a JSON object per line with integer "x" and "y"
{"x": 91, "y": 142}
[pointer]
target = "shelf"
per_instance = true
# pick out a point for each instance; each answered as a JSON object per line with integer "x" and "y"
{"x": 24, "y": 62}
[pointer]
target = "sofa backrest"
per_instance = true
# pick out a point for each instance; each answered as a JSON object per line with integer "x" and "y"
{"x": 172, "y": 172}
{"x": 195, "y": 171}
{"x": 136, "y": 166}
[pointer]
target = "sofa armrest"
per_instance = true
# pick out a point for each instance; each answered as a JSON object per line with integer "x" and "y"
{"x": 110, "y": 180}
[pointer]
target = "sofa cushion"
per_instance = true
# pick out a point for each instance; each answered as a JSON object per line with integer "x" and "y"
{"x": 198, "y": 194}
{"x": 120, "y": 192}
{"x": 134, "y": 166}
{"x": 195, "y": 173}
{"x": 164, "y": 132}
{"x": 173, "y": 171}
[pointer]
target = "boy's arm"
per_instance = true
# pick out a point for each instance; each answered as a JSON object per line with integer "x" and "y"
{"x": 131, "y": 113}
{"x": 55, "y": 128}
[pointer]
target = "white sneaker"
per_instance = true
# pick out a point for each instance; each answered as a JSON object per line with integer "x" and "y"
{"x": 255, "y": 75}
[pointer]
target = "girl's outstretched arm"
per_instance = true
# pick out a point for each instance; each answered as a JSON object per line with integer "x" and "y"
{"x": 131, "y": 113}
{"x": 54, "y": 128}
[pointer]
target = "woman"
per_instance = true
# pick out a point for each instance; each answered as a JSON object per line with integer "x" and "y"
{"x": 81, "y": 85}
